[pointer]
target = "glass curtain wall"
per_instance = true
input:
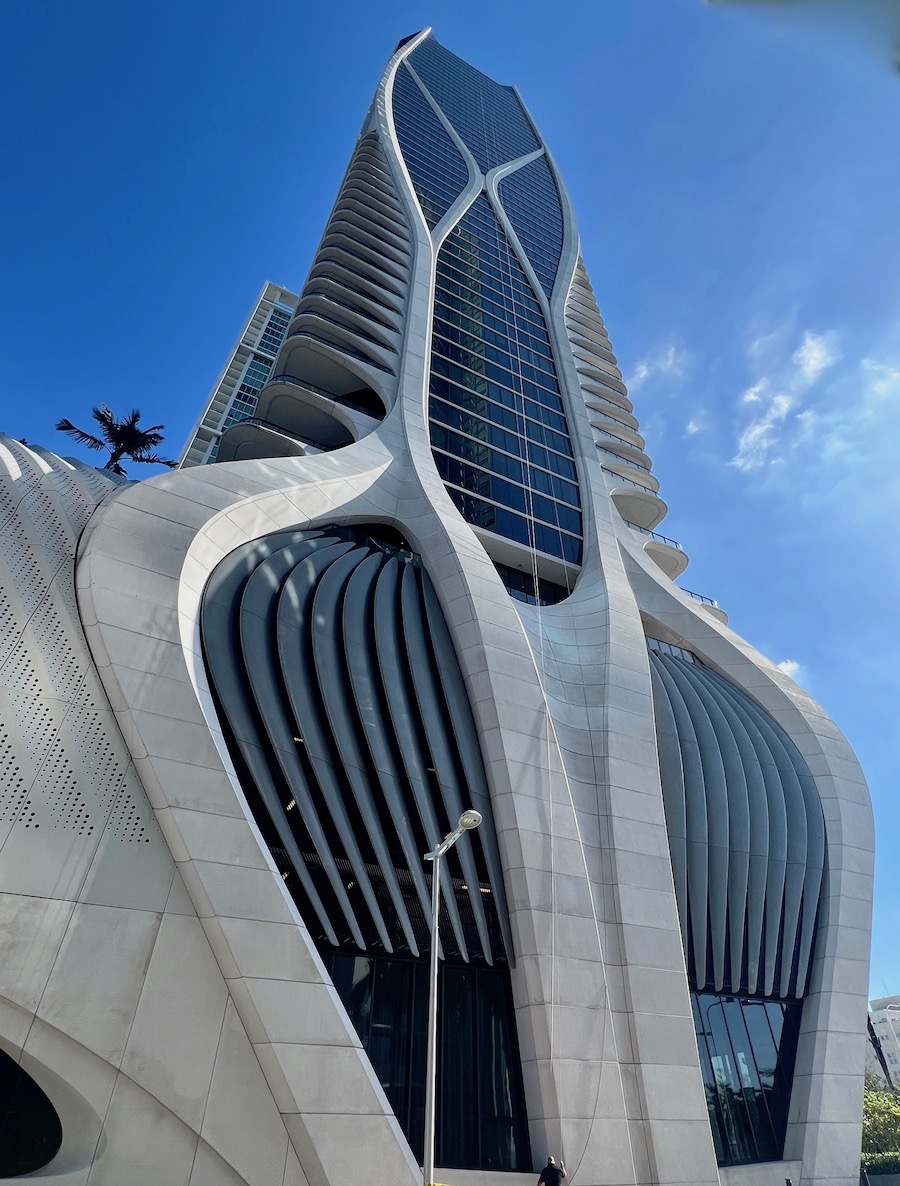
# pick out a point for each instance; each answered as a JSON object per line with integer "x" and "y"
{"x": 480, "y": 1105}
{"x": 747, "y": 1050}
{"x": 498, "y": 425}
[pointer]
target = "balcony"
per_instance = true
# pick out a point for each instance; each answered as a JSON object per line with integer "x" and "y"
{"x": 300, "y": 408}
{"x": 254, "y": 439}
{"x": 612, "y": 458}
{"x": 614, "y": 433}
{"x": 711, "y": 607}
{"x": 635, "y": 502}
{"x": 665, "y": 552}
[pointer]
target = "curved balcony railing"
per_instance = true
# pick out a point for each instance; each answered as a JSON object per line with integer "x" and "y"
{"x": 329, "y": 395}
{"x": 629, "y": 482}
{"x": 699, "y": 597}
{"x": 267, "y": 424}
{"x": 660, "y": 539}
{"x": 612, "y": 419}
{"x": 644, "y": 469}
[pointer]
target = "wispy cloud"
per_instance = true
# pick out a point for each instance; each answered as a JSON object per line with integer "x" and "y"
{"x": 816, "y": 353}
{"x": 670, "y": 361}
{"x": 758, "y": 440}
{"x": 754, "y": 394}
{"x": 886, "y": 379}
{"x": 863, "y": 425}
{"x": 693, "y": 426}
{"x": 779, "y": 419}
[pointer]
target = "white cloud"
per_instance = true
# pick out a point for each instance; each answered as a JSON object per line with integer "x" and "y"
{"x": 753, "y": 394}
{"x": 670, "y": 361}
{"x": 886, "y": 382}
{"x": 816, "y": 353}
{"x": 790, "y": 667}
{"x": 780, "y": 420}
{"x": 641, "y": 371}
{"x": 757, "y": 442}
{"x": 693, "y": 426}
{"x": 764, "y": 345}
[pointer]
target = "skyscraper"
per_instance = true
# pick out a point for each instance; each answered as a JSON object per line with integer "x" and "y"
{"x": 233, "y": 398}
{"x": 426, "y": 578}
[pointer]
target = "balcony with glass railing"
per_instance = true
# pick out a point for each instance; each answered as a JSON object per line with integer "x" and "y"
{"x": 666, "y": 553}
{"x": 638, "y": 502}
{"x": 712, "y": 607}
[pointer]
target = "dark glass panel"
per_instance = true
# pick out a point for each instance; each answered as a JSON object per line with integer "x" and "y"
{"x": 531, "y": 201}
{"x": 512, "y": 525}
{"x": 784, "y": 1024}
{"x": 520, "y": 585}
{"x": 487, "y": 116}
{"x": 748, "y": 1076}
{"x": 747, "y": 1049}
{"x": 353, "y": 980}
{"x": 389, "y": 1030}
{"x": 30, "y": 1131}
{"x": 491, "y": 359}
{"x": 438, "y": 172}
{"x": 459, "y": 1128}
{"x": 710, "y": 1086}
{"x": 741, "y": 1146}
{"x": 480, "y": 1100}
{"x": 500, "y": 1100}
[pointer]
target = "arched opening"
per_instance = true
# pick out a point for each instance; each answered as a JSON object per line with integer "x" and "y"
{"x": 30, "y": 1129}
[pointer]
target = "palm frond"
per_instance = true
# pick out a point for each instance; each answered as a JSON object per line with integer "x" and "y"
{"x": 82, "y": 437}
{"x": 123, "y": 439}
{"x": 104, "y": 416}
{"x": 154, "y": 459}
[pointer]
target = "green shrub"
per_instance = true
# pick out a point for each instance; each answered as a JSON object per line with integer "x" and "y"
{"x": 881, "y": 1123}
{"x": 881, "y": 1163}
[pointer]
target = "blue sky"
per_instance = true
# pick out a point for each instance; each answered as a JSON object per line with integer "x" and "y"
{"x": 736, "y": 178}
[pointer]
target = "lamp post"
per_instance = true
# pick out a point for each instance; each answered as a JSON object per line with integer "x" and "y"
{"x": 467, "y": 821}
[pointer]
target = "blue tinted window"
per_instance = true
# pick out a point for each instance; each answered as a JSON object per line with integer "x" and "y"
{"x": 438, "y": 172}
{"x": 487, "y": 116}
{"x": 498, "y": 428}
{"x": 521, "y": 586}
{"x": 276, "y": 327}
{"x": 531, "y": 201}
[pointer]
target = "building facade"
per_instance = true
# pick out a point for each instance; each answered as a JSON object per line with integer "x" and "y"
{"x": 422, "y": 577}
{"x": 884, "y": 1015}
{"x": 233, "y": 398}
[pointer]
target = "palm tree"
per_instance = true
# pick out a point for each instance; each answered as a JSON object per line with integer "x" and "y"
{"x": 120, "y": 438}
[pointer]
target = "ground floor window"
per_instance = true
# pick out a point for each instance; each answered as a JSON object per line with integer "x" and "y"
{"x": 747, "y": 1046}
{"x": 481, "y": 1121}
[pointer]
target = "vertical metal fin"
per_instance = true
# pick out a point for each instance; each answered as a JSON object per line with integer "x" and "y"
{"x": 344, "y": 702}
{"x": 719, "y": 748}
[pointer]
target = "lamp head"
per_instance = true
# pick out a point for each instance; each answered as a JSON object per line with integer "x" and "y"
{"x": 469, "y": 820}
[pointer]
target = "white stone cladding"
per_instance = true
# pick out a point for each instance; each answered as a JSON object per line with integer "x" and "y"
{"x": 110, "y": 995}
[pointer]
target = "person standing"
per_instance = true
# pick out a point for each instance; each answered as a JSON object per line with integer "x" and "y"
{"x": 552, "y": 1174}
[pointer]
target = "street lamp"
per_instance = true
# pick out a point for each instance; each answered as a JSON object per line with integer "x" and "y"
{"x": 467, "y": 821}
